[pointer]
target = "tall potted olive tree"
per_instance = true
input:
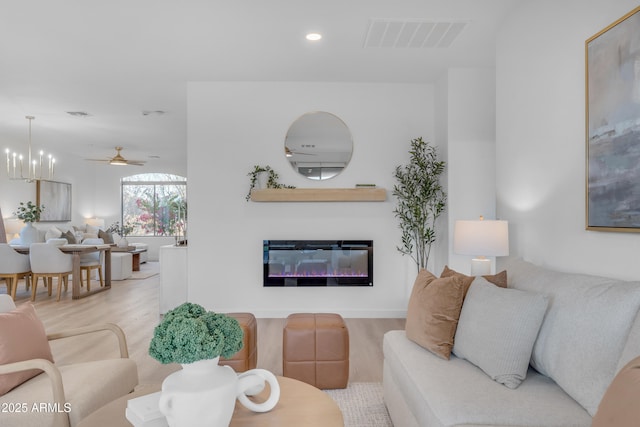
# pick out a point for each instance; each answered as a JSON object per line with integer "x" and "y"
{"x": 420, "y": 199}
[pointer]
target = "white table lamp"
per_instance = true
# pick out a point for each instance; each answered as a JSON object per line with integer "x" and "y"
{"x": 12, "y": 227}
{"x": 481, "y": 238}
{"x": 95, "y": 222}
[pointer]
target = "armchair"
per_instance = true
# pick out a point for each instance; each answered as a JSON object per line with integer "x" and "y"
{"x": 62, "y": 396}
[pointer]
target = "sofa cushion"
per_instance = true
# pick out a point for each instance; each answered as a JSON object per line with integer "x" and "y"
{"x": 498, "y": 279}
{"x": 497, "y": 329}
{"x": 585, "y": 328}
{"x": 52, "y": 233}
{"x": 434, "y": 309}
{"x": 22, "y": 337}
{"x": 457, "y": 393}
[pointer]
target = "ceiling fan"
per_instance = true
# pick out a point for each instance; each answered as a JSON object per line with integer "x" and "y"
{"x": 118, "y": 160}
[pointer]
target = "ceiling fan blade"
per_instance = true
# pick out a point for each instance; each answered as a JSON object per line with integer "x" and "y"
{"x": 119, "y": 160}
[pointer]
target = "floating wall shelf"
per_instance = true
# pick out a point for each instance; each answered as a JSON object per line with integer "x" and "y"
{"x": 319, "y": 195}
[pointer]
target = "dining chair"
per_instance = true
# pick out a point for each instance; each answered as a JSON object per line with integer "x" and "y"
{"x": 13, "y": 267}
{"x": 92, "y": 261}
{"x": 47, "y": 261}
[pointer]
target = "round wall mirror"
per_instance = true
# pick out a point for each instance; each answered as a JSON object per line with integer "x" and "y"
{"x": 318, "y": 145}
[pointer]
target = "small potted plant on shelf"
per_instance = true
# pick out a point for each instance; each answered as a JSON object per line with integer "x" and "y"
{"x": 264, "y": 173}
{"x": 28, "y": 213}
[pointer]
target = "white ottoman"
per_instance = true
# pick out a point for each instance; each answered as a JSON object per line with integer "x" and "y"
{"x": 121, "y": 265}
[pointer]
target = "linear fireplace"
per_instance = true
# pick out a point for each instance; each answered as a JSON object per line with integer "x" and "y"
{"x": 317, "y": 262}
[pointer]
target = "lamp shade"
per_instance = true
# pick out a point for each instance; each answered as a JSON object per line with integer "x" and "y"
{"x": 13, "y": 226}
{"x": 481, "y": 238}
{"x": 96, "y": 222}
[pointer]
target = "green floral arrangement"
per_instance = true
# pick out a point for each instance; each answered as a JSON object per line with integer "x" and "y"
{"x": 123, "y": 231}
{"x": 28, "y": 212}
{"x": 189, "y": 333}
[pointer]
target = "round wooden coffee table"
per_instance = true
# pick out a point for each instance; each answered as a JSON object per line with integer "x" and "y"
{"x": 300, "y": 404}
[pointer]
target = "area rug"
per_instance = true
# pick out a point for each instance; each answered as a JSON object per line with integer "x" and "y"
{"x": 142, "y": 274}
{"x": 362, "y": 405}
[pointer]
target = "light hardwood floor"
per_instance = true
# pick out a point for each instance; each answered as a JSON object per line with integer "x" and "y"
{"x": 133, "y": 305}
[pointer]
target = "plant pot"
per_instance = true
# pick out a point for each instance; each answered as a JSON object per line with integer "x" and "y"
{"x": 29, "y": 234}
{"x": 204, "y": 393}
{"x": 261, "y": 180}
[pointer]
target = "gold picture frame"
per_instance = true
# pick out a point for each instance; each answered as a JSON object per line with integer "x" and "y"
{"x": 613, "y": 126}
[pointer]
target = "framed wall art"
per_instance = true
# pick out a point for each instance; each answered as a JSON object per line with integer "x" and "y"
{"x": 56, "y": 198}
{"x": 613, "y": 126}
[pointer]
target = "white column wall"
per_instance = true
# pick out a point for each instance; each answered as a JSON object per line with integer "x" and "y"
{"x": 471, "y": 181}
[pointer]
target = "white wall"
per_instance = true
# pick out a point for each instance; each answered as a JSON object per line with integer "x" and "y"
{"x": 233, "y": 126}
{"x": 541, "y": 138}
{"x": 471, "y": 152}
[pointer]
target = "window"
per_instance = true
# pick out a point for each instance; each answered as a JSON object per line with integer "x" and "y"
{"x": 155, "y": 204}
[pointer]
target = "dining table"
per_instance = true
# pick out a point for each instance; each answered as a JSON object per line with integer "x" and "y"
{"x": 76, "y": 250}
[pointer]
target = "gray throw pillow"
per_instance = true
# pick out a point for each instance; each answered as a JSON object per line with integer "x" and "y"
{"x": 70, "y": 237}
{"x": 497, "y": 330}
{"x": 106, "y": 237}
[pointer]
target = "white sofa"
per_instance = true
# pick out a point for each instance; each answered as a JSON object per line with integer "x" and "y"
{"x": 590, "y": 330}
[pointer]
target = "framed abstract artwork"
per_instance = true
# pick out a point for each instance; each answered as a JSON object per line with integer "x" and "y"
{"x": 613, "y": 126}
{"x": 56, "y": 198}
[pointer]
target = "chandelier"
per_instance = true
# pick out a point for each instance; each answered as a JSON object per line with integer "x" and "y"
{"x": 32, "y": 167}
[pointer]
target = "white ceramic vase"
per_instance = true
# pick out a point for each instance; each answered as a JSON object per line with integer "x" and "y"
{"x": 123, "y": 242}
{"x": 29, "y": 234}
{"x": 262, "y": 179}
{"x": 203, "y": 393}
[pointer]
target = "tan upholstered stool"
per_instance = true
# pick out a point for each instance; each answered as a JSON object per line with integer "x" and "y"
{"x": 247, "y": 357}
{"x": 315, "y": 349}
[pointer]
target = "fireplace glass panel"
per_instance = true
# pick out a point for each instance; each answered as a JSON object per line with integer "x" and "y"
{"x": 318, "y": 263}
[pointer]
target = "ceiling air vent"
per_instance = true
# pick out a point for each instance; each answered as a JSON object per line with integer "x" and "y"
{"x": 416, "y": 34}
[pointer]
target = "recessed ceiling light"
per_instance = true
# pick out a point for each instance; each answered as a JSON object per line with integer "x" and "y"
{"x": 313, "y": 36}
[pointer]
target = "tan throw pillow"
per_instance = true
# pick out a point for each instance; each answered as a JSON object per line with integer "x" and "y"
{"x": 498, "y": 279}
{"x": 619, "y": 406}
{"x": 22, "y": 337}
{"x": 434, "y": 310}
